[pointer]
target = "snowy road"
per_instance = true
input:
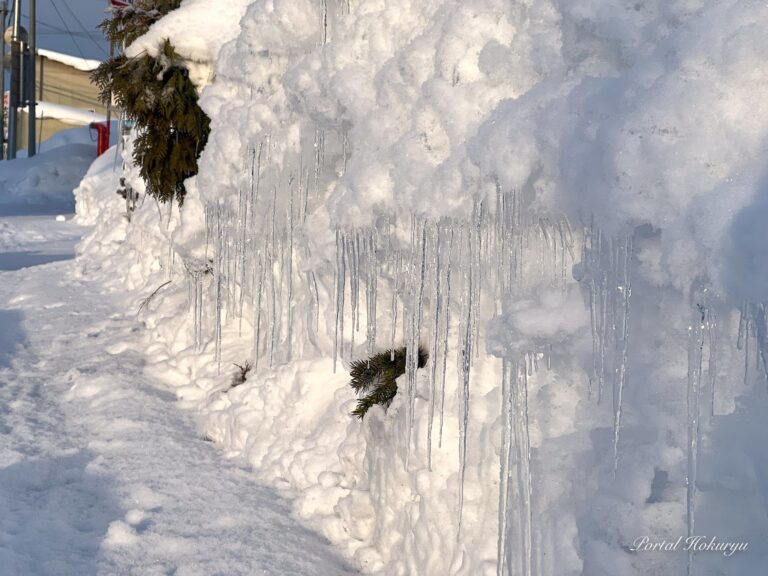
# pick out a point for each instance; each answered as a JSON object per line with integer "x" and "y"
{"x": 99, "y": 471}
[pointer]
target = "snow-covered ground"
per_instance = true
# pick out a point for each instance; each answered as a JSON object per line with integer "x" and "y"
{"x": 100, "y": 473}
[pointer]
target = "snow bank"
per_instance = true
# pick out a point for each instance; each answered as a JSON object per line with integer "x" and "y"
{"x": 47, "y": 181}
{"x": 561, "y": 200}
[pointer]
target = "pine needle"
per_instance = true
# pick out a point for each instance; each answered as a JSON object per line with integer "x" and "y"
{"x": 376, "y": 377}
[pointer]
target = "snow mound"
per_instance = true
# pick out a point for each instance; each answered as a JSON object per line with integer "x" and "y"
{"x": 47, "y": 180}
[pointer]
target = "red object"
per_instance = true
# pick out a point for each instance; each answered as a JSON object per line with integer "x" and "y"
{"x": 102, "y": 143}
{"x": 120, "y": 3}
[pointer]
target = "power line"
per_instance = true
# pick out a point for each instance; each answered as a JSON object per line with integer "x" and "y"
{"x": 79, "y": 23}
{"x": 57, "y": 29}
{"x": 68, "y": 30}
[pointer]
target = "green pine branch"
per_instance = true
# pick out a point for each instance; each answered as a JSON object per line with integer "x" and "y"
{"x": 159, "y": 96}
{"x": 376, "y": 377}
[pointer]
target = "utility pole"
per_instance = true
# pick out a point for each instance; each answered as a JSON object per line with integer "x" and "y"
{"x": 32, "y": 93}
{"x": 3, "y": 18}
{"x": 16, "y": 69}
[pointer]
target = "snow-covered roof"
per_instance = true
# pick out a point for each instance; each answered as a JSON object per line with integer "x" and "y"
{"x": 75, "y": 61}
{"x": 68, "y": 114}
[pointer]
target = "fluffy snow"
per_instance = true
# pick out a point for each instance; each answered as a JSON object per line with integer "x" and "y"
{"x": 590, "y": 170}
{"x": 198, "y": 32}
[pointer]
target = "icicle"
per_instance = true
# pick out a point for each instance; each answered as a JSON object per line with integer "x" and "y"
{"x": 371, "y": 290}
{"x": 476, "y": 275}
{"x": 742, "y": 325}
{"x": 624, "y": 254}
{"x": 315, "y": 308}
{"x": 745, "y": 341}
{"x": 603, "y": 331}
{"x": 505, "y": 454}
{"x": 446, "y": 333}
{"x": 196, "y": 275}
{"x": 465, "y": 365}
{"x": 323, "y": 21}
{"x": 566, "y": 243}
{"x": 412, "y": 351}
{"x": 249, "y": 218}
{"x": 353, "y": 259}
{"x": 306, "y": 197}
{"x": 595, "y": 342}
{"x": 695, "y": 354}
{"x": 257, "y": 313}
{"x": 515, "y": 538}
{"x": 761, "y": 336}
{"x": 523, "y": 452}
{"x": 712, "y": 367}
{"x": 393, "y": 308}
{"x": 319, "y": 156}
{"x": 219, "y": 286}
{"x": 336, "y": 270}
{"x": 435, "y": 346}
{"x": 273, "y": 253}
{"x": 289, "y": 335}
{"x": 340, "y": 282}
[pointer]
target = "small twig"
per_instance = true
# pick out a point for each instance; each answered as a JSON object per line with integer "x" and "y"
{"x": 149, "y": 298}
{"x": 240, "y": 376}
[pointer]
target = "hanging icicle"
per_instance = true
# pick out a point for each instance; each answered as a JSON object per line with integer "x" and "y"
{"x": 696, "y": 333}
{"x": 624, "y": 293}
{"x": 515, "y": 539}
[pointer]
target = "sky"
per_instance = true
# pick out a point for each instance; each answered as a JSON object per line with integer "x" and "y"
{"x": 69, "y": 26}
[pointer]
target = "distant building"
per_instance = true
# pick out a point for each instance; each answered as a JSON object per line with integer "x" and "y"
{"x": 65, "y": 95}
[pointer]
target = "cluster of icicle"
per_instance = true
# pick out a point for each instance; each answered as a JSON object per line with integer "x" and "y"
{"x": 441, "y": 282}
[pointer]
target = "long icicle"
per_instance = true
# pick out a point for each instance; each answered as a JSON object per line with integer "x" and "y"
{"x": 446, "y": 333}
{"x": 522, "y": 439}
{"x": 505, "y": 454}
{"x": 435, "y": 346}
{"x": 712, "y": 367}
{"x": 219, "y": 285}
{"x": 412, "y": 352}
{"x": 624, "y": 252}
{"x": 466, "y": 363}
{"x": 695, "y": 354}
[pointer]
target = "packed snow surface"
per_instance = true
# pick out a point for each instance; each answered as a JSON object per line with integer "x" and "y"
{"x": 100, "y": 473}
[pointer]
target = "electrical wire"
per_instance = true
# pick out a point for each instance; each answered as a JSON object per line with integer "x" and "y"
{"x": 56, "y": 30}
{"x": 67, "y": 29}
{"x": 82, "y": 27}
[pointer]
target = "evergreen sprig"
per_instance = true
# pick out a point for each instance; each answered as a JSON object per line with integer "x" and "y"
{"x": 126, "y": 24}
{"x": 376, "y": 377}
{"x": 159, "y": 96}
